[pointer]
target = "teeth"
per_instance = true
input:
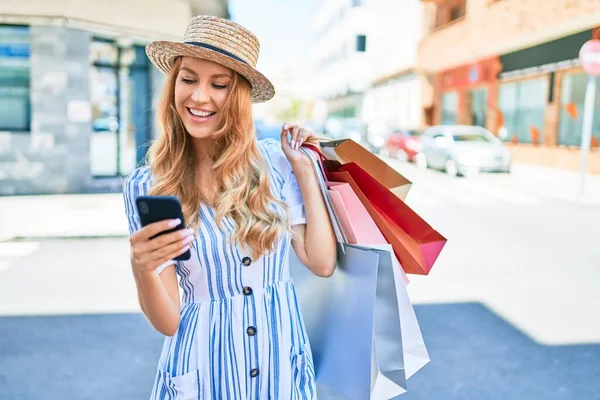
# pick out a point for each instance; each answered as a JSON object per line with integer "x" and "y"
{"x": 201, "y": 113}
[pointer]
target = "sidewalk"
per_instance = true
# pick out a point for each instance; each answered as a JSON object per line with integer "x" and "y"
{"x": 101, "y": 215}
{"x": 88, "y": 215}
{"x": 552, "y": 184}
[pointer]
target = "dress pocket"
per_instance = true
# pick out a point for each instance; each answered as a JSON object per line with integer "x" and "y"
{"x": 303, "y": 374}
{"x": 182, "y": 387}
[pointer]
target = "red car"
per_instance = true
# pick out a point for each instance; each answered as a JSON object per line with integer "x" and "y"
{"x": 404, "y": 144}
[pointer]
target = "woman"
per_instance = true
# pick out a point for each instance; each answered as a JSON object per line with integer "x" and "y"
{"x": 236, "y": 331}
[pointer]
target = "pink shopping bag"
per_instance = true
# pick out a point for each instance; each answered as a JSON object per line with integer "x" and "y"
{"x": 356, "y": 222}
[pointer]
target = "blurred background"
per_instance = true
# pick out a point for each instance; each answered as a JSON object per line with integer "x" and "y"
{"x": 480, "y": 103}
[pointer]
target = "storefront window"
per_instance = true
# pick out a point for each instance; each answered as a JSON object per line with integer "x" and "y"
{"x": 571, "y": 110}
{"x": 120, "y": 108}
{"x": 449, "y": 108}
{"x": 479, "y": 107}
{"x": 15, "y": 109}
{"x": 523, "y": 106}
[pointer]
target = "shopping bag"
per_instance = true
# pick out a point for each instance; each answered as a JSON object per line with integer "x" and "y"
{"x": 356, "y": 222}
{"x": 350, "y": 206}
{"x": 416, "y": 244}
{"x": 353, "y": 319}
{"x": 347, "y": 150}
{"x": 353, "y": 323}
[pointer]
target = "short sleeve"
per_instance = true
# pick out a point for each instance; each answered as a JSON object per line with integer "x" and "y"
{"x": 137, "y": 184}
{"x": 285, "y": 178}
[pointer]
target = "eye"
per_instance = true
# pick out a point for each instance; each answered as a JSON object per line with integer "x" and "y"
{"x": 217, "y": 86}
{"x": 187, "y": 81}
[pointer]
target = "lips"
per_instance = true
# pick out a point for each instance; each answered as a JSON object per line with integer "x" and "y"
{"x": 200, "y": 116}
{"x": 201, "y": 113}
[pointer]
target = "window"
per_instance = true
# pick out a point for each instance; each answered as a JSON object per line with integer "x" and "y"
{"x": 571, "y": 110}
{"x": 523, "y": 106}
{"x": 473, "y": 134}
{"x": 120, "y": 107}
{"x": 457, "y": 12}
{"x": 449, "y": 107}
{"x": 361, "y": 43}
{"x": 479, "y": 107}
{"x": 15, "y": 106}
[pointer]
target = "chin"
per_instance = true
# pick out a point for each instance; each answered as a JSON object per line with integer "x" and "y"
{"x": 202, "y": 133}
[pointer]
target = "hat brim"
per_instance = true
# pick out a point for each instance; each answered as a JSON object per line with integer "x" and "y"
{"x": 164, "y": 53}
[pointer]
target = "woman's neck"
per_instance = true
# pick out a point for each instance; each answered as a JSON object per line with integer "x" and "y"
{"x": 203, "y": 149}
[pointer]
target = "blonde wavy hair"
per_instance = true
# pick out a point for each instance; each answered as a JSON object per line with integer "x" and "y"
{"x": 242, "y": 183}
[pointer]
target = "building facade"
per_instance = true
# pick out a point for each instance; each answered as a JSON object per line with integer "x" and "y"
{"x": 77, "y": 92}
{"x": 393, "y": 99}
{"x": 365, "y": 57}
{"x": 341, "y": 68}
{"x": 512, "y": 66}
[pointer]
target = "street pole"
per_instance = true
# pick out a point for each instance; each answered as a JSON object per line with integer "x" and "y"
{"x": 586, "y": 136}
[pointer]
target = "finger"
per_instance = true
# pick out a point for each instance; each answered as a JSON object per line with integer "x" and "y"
{"x": 295, "y": 131}
{"x": 304, "y": 134}
{"x": 304, "y": 138}
{"x": 285, "y": 142}
{"x": 152, "y": 229}
{"x": 172, "y": 255}
{"x": 167, "y": 251}
{"x": 144, "y": 249}
{"x": 168, "y": 239}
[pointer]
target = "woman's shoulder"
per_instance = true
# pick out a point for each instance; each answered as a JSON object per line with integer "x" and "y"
{"x": 270, "y": 145}
{"x": 273, "y": 152}
{"x": 138, "y": 182}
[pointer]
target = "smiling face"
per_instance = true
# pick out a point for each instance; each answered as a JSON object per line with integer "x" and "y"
{"x": 201, "y": 91}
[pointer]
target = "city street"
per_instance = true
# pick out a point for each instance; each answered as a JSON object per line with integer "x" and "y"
{"x": 510, "y": 311}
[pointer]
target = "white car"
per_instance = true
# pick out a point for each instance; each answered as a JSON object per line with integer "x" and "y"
{"x": 463, "y": 150}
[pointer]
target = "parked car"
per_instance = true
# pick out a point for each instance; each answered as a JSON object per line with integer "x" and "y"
{"x": 404, "y": 144}
{"x": 463, "y": 150}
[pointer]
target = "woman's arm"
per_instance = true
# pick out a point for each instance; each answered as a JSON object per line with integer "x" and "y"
{"x": 314, "y": 242}
{"x": 317, "y": 245}
{"x": 158, "y": 294}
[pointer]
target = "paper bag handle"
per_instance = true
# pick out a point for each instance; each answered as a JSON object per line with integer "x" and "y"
{"x": 320, "y": 174}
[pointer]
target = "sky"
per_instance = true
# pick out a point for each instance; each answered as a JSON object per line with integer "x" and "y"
{"x": 282, "y": 26}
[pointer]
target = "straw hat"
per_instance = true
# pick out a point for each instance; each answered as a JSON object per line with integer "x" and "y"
{"x": 219, "y": 40}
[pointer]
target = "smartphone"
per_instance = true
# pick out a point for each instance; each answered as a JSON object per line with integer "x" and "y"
{"x": 158, "y": 208}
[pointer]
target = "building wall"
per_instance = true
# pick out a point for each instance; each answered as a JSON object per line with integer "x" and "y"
{"x": 498, "y": 27}
{"x": 54, "y": 156}
{"x": 502, "y": 29}
{"x": 339, "y": 69}
{"x": 355, "y": 80}
{"x": 136, "y": 19}
{"x": 395, "y": 29}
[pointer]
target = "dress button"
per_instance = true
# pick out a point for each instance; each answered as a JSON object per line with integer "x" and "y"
{"x": 247, "y": 290}
{"x": 246, "y": 261}
{"x": 251, "y": 331}
{"x": 254, "y": 373}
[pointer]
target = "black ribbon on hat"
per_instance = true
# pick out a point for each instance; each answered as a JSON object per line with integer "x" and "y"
{"x": 218, "y": 50}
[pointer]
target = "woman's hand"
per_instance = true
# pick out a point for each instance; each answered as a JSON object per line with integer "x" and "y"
{"x": 148, "y": 254}
{"x": 291, "y": 147}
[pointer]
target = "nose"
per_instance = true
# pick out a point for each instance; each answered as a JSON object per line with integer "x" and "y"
{"x": 200, "y": 94}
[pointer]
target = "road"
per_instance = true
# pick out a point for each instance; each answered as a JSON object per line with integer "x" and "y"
{"x": 510, "y": 311}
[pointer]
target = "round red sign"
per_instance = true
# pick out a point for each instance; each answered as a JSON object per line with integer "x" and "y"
{"x": 589, "y": 55}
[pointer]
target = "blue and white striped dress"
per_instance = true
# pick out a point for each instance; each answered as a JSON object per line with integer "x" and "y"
{"x": 241, "y": 334}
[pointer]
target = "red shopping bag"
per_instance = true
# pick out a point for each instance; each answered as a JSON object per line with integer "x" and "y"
{"x": 347, "y": 151}
{"x": 416, "y": 244}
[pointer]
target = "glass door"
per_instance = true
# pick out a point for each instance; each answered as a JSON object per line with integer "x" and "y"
{"x": 120, "y": 109}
